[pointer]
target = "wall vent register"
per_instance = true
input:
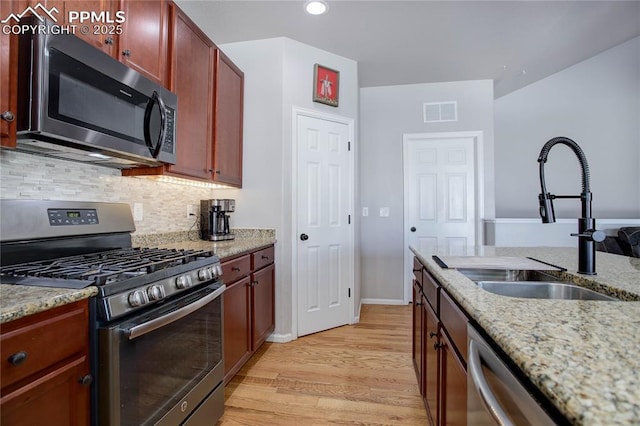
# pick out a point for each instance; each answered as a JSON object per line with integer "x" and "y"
{"x": 435, "y": 112}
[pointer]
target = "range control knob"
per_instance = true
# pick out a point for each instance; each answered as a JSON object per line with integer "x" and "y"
{"x": 219, "y": 269}
{"x": 214, "y": 271}
{"x": 204, "y": 274}
{"x": 183, "y": 281}
{"x": 155, "y": 292}
{"x": 137, "y": 298}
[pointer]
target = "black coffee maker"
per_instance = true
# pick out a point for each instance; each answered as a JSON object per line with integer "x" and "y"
{"x": 214, "y": 220}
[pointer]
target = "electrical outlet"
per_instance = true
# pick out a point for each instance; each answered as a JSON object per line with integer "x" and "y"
{"x": 192, "y": 211}
{"x": 137, "y": 212}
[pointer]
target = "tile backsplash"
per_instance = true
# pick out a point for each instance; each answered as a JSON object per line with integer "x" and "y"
{"x": 164, "y": 205}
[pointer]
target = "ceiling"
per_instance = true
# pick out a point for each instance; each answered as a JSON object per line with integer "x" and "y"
{"x": 404, "y": 42}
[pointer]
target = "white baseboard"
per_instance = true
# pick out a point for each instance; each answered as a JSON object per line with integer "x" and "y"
{"x": 383, "y": 302}
{"x": 280, "y": 338}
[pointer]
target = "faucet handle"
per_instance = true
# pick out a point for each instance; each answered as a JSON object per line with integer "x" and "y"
{"x": 592, "y": 235}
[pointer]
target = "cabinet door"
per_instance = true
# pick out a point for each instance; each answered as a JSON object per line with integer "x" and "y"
{"x": 100, "y": 35}
{"x": 262, "y": 302}
{"x": 57, "y": 398}
{"x": 454, "y": 385}
{"x": 237, "y": 327}
{"x": 229, "y": 98}
{"x": 143, "y": 42}
{"x": 431, "y": 362}
{"x": 192, "y": 74}
{"x": 417, "y": 341}
{"x": 8, "y": 81}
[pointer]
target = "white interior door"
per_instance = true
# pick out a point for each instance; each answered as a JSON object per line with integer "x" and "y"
{"x": 324, "y": 232}
{"x": 440, "y": 196}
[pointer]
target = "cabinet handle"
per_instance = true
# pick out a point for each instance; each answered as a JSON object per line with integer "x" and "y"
{"x": 108, "y": 40}
{"x": 418, "y": 303}
{"x": 417, "y": 270}
{"x": 18, "y": 358}
{"x": 217, "y": 172}
{"x": 254, "y": 283}
{"x": 235, "y": 268}
{"x": 86, "y": 380}
{"x": 126, "y": 53}
{"x": 432, "y": 334}
{"x": 8, "y": 116}
{"x": 437, "y": 346}
{"x": 265, "y": 257}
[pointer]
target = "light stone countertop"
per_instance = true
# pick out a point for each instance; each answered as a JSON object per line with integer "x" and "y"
{"x": 17, "y": 301}
{"x": 583, "y": 355}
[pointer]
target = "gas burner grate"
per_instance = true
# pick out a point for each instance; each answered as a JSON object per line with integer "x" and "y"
{"x": 107, "y": 267}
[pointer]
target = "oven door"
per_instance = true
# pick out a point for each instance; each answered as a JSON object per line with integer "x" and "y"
{"x": 165, "y": 365}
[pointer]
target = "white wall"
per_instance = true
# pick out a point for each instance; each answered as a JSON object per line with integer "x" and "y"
{"x": 597, "y": 104}
{"x": 278, "y": 76}
{"x": 386, "y": 113}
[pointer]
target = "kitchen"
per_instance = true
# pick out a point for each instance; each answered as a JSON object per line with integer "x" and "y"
{"x": 268, "y": 102}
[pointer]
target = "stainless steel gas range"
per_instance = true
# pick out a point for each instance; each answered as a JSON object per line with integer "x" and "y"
{"x": 156, "y": 324}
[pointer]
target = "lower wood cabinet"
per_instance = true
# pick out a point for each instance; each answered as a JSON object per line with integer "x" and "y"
{"x": 439, "y": 352}
{"x": 249, "y": 306}
{"x": 45, "y": 372}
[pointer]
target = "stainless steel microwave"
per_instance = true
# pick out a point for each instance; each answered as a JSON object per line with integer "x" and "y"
{"x": 78, "y": 103}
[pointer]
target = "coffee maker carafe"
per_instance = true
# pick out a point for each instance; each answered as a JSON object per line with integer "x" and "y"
{"x": 214, "y": 224}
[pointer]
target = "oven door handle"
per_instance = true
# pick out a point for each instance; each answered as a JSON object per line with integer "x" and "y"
{"x": 147, "y": 327}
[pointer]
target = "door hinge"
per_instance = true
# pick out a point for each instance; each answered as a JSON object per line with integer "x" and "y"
{"x": 349, "y": 292}
{"x": 349, "y": 219}
{"x": 349, "y": 145}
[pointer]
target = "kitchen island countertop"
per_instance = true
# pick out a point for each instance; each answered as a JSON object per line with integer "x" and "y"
{"x": 583, "y": 355}
{"x": 17, "y": 301}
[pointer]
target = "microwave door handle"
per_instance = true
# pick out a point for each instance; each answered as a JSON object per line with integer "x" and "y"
{"x": 483, "y": 389}
{"x": 155, "y": 98}
{"x": 154, "y": 324}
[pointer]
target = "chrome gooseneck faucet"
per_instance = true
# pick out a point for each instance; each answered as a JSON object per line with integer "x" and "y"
{"x": 587, "y": 233}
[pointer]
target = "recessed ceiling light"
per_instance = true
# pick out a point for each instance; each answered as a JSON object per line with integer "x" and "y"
{"x": 316, "y": 7}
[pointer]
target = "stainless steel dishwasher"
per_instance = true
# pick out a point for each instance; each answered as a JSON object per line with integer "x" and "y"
{"x": 495, "y": 396}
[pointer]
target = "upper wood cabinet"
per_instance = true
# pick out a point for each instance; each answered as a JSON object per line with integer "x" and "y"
{"x": 142, "y": 45}
{"x": 8, "y": 87}
{"x": 210, "y": 91}
{"x": 227, "y": 129}
{"x": 192, "y": 78}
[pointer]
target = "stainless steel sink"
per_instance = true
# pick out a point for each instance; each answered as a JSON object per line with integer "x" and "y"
{"x": 542, "y": 290}
{"x": 477, "y": 274}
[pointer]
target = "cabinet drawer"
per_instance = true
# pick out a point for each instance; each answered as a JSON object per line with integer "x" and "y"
{"x": 262, "y": 258}
{"x": 42, "y": 340}
{"x": 430, "y": 289}
{"x": 417, "y": 271}
{"x": 235, "y": 269}
{"x": 454, "y": 321}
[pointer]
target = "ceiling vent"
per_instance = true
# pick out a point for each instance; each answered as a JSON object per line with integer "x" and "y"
{"x": 436, "y": 112}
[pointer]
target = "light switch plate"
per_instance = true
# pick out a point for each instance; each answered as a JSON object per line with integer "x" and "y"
{"x": 365, "y": 211}
{"x": 137, "y": 212}
{"x": 384, "y": 211}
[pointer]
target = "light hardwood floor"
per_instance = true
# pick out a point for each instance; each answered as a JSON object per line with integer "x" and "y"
{"x": 359, "y": 374}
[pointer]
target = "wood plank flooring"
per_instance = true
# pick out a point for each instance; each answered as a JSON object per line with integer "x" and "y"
{"x": 359, "y": 375}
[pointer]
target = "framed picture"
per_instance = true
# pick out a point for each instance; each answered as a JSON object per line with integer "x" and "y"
{"x": 326, "y": 83}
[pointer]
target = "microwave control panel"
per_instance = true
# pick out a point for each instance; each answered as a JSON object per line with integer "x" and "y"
{"x": 62, "y": 217}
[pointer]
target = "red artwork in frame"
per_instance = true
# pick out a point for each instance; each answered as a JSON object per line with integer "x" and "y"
{"x": 326, "y": 83}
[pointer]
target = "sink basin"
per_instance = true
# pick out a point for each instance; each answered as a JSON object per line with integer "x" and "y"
{"x": 541, "y": 290}
{"x": 477, "y": 274}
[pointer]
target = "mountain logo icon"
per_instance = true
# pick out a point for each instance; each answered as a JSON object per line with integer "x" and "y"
{"x": 39, "y": 11}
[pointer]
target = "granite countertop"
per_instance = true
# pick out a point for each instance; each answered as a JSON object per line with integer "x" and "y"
{"x": 583, "y": 355}
{"x": 17, "y": 301}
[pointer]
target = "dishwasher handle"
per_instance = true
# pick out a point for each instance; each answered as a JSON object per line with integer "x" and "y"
{"x": 482, "y": 387}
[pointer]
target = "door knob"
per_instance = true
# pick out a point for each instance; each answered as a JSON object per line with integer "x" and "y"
{"x": 413, "y": 229}
{"x": 304, "y": 237}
